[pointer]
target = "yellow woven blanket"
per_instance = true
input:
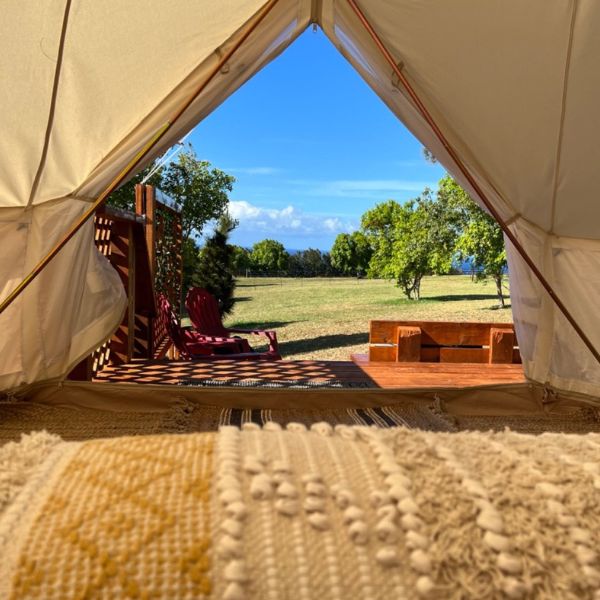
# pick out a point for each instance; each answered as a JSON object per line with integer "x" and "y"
{"x": 267, "y": 513}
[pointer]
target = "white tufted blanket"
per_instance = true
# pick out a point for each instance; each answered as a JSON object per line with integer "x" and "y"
{"x": 349, "y": 513}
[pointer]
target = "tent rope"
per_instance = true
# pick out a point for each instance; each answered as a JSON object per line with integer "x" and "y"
{"x": 466, "y": 173}
{"x": 158, "y": 135}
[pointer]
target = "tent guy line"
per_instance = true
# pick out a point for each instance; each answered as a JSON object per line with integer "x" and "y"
{"x": 158, "y": 135}
{"x": 463, "y": 169}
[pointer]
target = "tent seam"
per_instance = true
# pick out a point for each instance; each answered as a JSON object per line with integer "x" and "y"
{"x": 51, "y": 113}
{"x": 562, "y": 116}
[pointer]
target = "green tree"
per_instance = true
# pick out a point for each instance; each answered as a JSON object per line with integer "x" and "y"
{"x": 480, "y": 239}
{"x": 295, "y": 267}
{"x": 269, "y": 256}
{"x": 411, "y": 240}
{"x": 379, "y": 227}
{"x": 214, "y": 271}
{"x": 312, "y": 260}
{"x": 351, "y": 253}
{"x": 198, "y": 191}
{"x": 428, "y": 156}
{"x": 190, "y": 254}
{"x": 241, "y": 260}
{"x": 124, "y": 197}
{"x": 309, "y": 263}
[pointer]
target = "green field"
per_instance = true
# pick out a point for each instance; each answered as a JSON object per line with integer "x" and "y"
{"x": 329, "y": 318}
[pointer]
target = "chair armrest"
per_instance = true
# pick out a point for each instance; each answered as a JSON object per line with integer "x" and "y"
{"x": 269, "y": 334}
{"x": 251, "y": 331}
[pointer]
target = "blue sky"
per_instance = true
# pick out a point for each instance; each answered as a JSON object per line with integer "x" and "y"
{"x": 312, "y": 148}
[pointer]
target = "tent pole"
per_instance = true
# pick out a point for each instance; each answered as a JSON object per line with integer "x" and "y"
{"x": 158, "y": 135}
{"x": 463, "y": 169}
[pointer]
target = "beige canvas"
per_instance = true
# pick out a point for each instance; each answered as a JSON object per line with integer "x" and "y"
{"x": 513, "y": 86}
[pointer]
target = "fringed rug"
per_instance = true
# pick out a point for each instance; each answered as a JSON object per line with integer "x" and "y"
{"x": 350, "y": 512}
{"x": 576, "y": 420}
{"x": 293, "y": 384}
{"x": 74, "y": 423}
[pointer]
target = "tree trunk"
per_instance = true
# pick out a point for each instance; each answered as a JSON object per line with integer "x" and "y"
{"x": 498, "y": 280}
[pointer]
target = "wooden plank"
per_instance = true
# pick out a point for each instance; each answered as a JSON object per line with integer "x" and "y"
{"x": 502, "y": 342}
{"x": 383, "y": 332}
{"x": 464, "y": 355}
{"x": 457, "y": 368}
{"x": 408, "y": 344}
{"x": 435, "y": 333}
{"x": 382, "y": 353}
{"x": 430, "y": 355}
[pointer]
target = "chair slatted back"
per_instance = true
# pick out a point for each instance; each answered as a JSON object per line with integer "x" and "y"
{"x": 173, "y": 324}
{"x": 203, "y": 310}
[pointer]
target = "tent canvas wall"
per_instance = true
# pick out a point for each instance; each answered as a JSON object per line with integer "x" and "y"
{"x": 513, "y": 86}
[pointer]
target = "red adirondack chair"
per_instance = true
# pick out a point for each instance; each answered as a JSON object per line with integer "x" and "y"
{"x": 204, "y": 312}
{"x": 189, "y": 344}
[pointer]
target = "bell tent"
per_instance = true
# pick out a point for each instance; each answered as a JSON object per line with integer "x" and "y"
{"x": 505, "y": 94}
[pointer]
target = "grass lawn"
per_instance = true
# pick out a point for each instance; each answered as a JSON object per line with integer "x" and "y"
{"x": 329, "y": 318}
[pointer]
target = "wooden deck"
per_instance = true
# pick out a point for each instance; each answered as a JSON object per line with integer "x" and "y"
{"x": 426, "y": 375}
{"x": 359, "y": 373}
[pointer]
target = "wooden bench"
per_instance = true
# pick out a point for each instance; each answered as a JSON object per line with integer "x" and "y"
{"x": 446, "y": 342}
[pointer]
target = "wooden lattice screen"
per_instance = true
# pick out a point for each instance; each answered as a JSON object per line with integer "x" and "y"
{"x": 164, "y": 240}
{"x": 103, "y": 226}
{"x": 138, "y": 245}
{"x": 169, "y": 260}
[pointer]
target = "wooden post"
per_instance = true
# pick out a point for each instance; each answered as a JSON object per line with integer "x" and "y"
{"x": 150, "y": 203}
{"x": 408, "y": 344}
{"x": 145, "y": 206}
{"x": 140, "y": 200}
{"x": 382, "y": 353}
{"x": 501, "y": 345}
{"x": 130, "y": 292}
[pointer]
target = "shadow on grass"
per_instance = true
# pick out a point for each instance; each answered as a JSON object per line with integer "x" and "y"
{"x": 253, "y": 285}
{"x": 461, "y": 297}
{"x": 261, "y": 324}
{"x": 323, "y": 342}
{"x": 496, "y": 307}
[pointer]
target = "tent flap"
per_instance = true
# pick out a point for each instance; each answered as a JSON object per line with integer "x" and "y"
{"x": 513, "y": 86}
{"x": 513, "y": 89}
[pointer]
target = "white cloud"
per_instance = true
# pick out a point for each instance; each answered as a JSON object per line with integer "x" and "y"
{"x": 333, "y": 224}
{"x": 285, "y": 220}
{"x": 243, "y": 210}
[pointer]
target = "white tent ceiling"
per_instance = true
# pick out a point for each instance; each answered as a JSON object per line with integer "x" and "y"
{"x": 513, "y": 86}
